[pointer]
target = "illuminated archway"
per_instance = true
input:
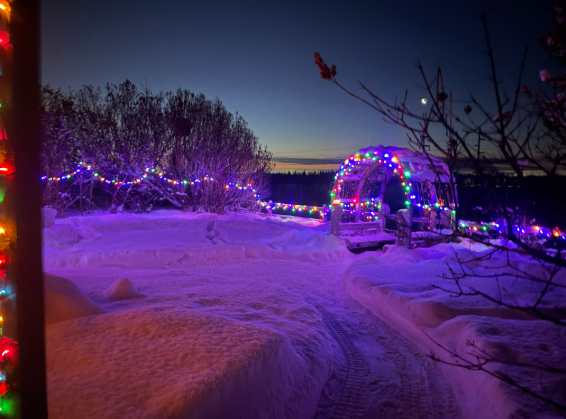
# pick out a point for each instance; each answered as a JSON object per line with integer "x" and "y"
{"x": 360, "y": 183}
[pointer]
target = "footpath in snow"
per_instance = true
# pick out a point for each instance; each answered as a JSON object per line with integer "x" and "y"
{"x": 182, "y": 315}
{"x": 401, "y": 287}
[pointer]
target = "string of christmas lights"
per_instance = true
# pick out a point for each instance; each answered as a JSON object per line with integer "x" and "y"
{"x": 493, "y": 229}
{"x": 149, "y": 172}
{"x": 312, "y": 211}
{"x": 8, "y": 346}
{"x": 277, "y": 207}
{"x": 389, "y": 161}
{"x": 370, "y": 208}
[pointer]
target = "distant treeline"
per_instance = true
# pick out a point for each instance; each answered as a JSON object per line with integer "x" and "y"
{"x": 539, "y": 197}
{"x": 303, "y": 188}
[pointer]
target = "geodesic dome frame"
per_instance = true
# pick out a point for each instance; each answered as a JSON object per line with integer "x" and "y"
{"x": 360, "y": 183}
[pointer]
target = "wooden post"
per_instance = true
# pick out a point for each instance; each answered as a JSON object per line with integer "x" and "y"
{"x": 25, "y": 143}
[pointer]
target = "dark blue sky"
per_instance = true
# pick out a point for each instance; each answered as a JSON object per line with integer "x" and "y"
{"x": 256, "y": 56}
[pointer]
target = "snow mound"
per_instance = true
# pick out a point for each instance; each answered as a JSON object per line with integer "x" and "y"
{"x": 122, "y": 289}
{"x": 157, "y": 364}
{"x": 306, "y": 244}
{"x": 67, "y": 234}
{"x": 61, "y": 235}
{"x": 64, "y": 301}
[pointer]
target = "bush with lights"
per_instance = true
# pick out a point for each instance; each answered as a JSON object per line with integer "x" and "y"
{"x": 124, "y": 148}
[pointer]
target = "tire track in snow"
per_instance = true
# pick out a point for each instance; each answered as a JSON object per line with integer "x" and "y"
{"x": 353, "y": 398}
{"x": 422, "y": 390}
{"x": 382, "y": 375}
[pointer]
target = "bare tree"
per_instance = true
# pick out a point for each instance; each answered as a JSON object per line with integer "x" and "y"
{"x": 121, "y": 131}
{"x": 519, "y": 131}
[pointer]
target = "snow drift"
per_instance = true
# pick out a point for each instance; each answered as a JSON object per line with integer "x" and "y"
{"x": 170, "y": 364}
{"x": 215, "y": 335}
{"x": 64, "y": 301}
{"x": 167, "y": 238}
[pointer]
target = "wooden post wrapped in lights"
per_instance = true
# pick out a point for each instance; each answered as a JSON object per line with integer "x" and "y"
{"x": 8, "y": 345}
{"x": 22, "y": 391}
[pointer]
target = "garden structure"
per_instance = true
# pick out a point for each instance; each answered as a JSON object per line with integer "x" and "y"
{"x": 384, "y": 192}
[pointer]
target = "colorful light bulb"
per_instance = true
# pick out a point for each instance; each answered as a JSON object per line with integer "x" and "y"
{"x": 6, "y": 407}
{"x": 6, "y": 169}
{"x": 5, "y": 40}
{"x": 5, "y": 8}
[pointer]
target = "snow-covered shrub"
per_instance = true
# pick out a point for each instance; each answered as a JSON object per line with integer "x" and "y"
{"x": 207, "y": 141}
{"x": 120, "y": 131}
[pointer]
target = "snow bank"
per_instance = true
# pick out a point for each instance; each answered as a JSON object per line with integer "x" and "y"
{"x": 303, "y": 244}
{"x": 156, "y": 364}
{"x": 401, "y": 286}
{"x": 414, "y": 283}
{"x": 64, "y": 301}
{"x": 517, "y": 343}
{"x": 168, "y": 238}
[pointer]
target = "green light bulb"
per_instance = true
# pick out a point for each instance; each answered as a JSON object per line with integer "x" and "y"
{"x": 6, "y": 407}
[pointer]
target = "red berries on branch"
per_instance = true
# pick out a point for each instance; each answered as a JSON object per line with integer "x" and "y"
{"x": 327, "y": 73}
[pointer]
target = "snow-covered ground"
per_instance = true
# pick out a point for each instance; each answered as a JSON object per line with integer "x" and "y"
{"x": 184, "y": 315}
{"x": 407, "y": 288}
{"x": 234, "y": 316}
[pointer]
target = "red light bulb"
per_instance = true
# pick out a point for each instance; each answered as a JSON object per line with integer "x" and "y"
{"x": 8, "y": 350}
{"x": 5, "y": 40}
{"x": 6, "y": 169}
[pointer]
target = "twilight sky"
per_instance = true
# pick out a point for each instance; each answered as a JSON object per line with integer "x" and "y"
{"x": 256, "y": 56}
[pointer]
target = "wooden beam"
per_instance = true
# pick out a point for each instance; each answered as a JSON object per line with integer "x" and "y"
{"x": 25, "y": 137}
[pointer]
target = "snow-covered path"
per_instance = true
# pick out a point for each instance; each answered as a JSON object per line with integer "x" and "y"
{"x": 282, "y": 279}
{"x": 379, "y": 374}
